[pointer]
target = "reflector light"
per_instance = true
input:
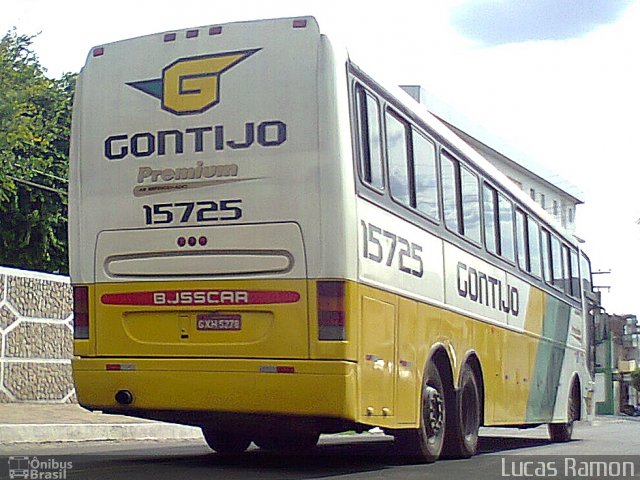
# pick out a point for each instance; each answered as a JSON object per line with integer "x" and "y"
{"x": 169, "y": 37}
{"x": 118, "y": 367}
{"x": 215, "y": 30}
{"x": 80, "y": 313}
{"x": 98, "y": 52}
{"x": 192, "y": 33}
{"x": 276, "y": 369}
{"x": 202, "y": 241}
{"x": 182, "y": 241}
{"x": 331, "y": 310}
{"x": 285, "y": 370}
{"x": 192, "y": 241}
{"x": 300, "y": 23}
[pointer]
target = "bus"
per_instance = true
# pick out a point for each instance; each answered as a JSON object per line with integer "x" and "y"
{"x": 270, "y": 244}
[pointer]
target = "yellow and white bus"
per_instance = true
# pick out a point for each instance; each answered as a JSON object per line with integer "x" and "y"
{"x": 270, "y": 244}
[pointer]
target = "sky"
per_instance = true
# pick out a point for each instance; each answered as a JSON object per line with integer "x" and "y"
{"x": 559, "y": 80}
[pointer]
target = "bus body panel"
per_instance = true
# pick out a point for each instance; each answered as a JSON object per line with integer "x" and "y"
{"x": 242, "y": 386}
{"x": 250, "y": 157}
{"x": 467, "y": 304}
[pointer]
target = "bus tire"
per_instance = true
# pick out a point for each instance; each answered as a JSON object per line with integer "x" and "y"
{"x": 424, "y": 444}
{"x": 226, "y": 443}
{"x": 464, "y": 420}
{"x": 288, "y": 442}
{"x": 562, "y": 432}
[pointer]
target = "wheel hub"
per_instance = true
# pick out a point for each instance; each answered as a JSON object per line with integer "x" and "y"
{"x": 434, "y": 411}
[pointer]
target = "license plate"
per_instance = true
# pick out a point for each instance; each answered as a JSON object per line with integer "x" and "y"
{"x": 218, "y": 322}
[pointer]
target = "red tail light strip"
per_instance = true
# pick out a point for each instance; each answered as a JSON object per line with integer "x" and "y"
{"x": 331, "y": 310}
{"x": 169, "y": 298}
{"x": 80, "y": 312}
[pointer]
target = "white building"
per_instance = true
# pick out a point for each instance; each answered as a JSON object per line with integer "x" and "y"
{"x": 552, "y": 192}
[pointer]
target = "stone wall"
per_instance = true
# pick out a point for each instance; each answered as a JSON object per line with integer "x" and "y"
{"x": 36, "y": 324}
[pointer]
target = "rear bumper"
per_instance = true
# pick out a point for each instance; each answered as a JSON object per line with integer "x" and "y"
{"x": 195, "y": 390}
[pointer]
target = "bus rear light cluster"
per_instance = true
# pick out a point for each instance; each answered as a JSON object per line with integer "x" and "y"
{"x": 192, "y": 241}
{"x": 80, "y": 313}
{"x": 331, "y": 310}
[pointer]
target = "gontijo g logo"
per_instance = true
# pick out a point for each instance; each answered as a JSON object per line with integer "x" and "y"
{"x": 192, "y": 85}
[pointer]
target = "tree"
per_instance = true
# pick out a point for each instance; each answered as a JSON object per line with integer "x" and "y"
{"x": 35, "y": 120}
{"x": 635, "y": 379}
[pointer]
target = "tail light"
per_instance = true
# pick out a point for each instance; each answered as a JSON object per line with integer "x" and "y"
{"x": 81, "y": 313}
{"x": 331, "y": 311}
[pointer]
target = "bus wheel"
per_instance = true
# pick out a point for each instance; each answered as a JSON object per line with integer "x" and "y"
{"x": 226, "y": 443}
{"x": 464, "y": 421}
{"x": 562, "y": 432}
{"x": 294, "y": 442}
{"x": 424, "y": 444}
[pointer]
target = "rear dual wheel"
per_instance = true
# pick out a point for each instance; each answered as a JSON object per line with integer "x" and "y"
{"x": 226, "y": 443}
{"x": 424, "y": 444}
{"x": 450, "y": 421}
{"x": 464, "y": 422}
{"x": 288, "y": 442}
{"x": 233, "y": 443}
{"x": 562, "y": 432}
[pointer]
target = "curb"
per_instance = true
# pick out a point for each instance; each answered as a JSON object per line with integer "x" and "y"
{"x": 74, "y": 432}
{"x": 78, "y": 432}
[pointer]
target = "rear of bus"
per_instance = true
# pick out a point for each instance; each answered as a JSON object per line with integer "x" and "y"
{"x": 208, "y": 246}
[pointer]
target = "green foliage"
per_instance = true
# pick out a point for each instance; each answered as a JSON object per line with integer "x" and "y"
{"x": 35, "y": 122}
{"x": 635, "y": 379}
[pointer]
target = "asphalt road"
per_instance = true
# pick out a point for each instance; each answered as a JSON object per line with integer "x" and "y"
{"x": 354, "y": 457}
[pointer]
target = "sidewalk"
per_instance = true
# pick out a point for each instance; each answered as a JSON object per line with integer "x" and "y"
{"x": 45, "y": 422}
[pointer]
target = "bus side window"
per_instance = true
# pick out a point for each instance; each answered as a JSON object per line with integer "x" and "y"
{"x": 461, "y": 198}
{"x": 396, "y": 136}
{"x": 546, "y": 258}
{"x": 507, "y": 248}
{"x": 585, "y": 274}
{"x": 521, "y": 240}
{"x": 575, "y": 279}
{"x": 556, "y": 263}
{"x": 490, "y": 207}
{"x": 369, "y": 139}
{"x": 426, "y": 179}
{"x": 449, "y": 193}
{"x": 566, "y": 274}
{"x": 534, "y": 247}
{"x": 470, "y": 205}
